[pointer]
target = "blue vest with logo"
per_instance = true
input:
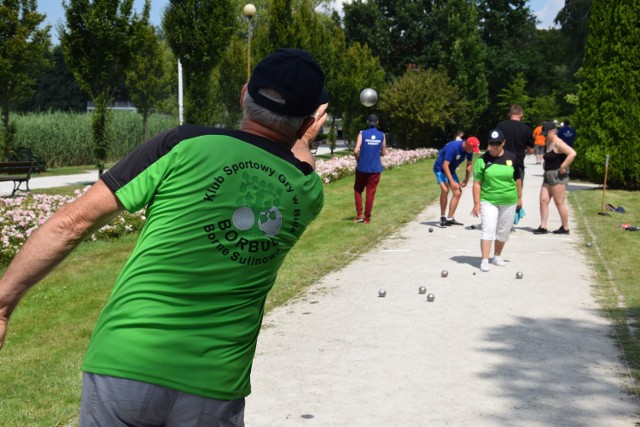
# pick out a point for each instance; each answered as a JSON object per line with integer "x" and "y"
{"x": 370, "y": 149}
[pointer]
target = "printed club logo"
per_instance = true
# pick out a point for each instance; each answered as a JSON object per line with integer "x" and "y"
{"x": 269, "y": 221}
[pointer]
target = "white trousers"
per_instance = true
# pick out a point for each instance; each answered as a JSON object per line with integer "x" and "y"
{"x": 496, "y": 221}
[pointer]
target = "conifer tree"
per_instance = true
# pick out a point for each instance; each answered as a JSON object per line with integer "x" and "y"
{"x": 608, "y": 113}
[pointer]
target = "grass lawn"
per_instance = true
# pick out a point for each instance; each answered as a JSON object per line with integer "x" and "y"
{"x": 39, "y": 366}
{"x": 614, "y": 254}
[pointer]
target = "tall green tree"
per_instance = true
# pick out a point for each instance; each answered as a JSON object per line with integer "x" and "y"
{"x": 199, "y": 32}
{"x": 23, "y": 48}
{"x": 573, "y": 19}
{"x": 608, "y": 113}
{"x": 359, "y": 70}
{"x": 145, "y": 78}
{"x": 461, "y": 52}
{"x": 400, "y": 32}
{"x": 96, "y": 40}
{"x": 419, "y": 104}
{"x": 365, "y": 23}
{"x": 507, "y": 28}
{"x": 57, "y": 88}
{"x": 514, "y": 93}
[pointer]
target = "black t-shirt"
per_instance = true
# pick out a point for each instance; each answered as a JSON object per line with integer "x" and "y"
{"x": 519, "y": 136}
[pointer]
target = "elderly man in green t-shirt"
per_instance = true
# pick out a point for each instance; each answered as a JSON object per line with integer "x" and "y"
{"x": 174, "y": 344}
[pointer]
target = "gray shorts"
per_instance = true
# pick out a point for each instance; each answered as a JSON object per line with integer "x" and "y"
{"x": 538, "y": 150}
{"x": 113, "y": 402}
{"x": 554, "y": 177}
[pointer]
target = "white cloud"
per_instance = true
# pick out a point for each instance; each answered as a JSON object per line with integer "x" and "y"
{"x": 546, "y": 11}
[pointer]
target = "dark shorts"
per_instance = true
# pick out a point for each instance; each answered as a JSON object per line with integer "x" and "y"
{"x": 554, "y": 177}
{"x": 113, "y": 402}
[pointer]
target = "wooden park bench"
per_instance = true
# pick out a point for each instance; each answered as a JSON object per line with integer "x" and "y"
{"x": 18, "y": 172}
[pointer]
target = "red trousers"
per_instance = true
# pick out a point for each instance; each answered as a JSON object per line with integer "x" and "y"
{"x": 370, "y": 182}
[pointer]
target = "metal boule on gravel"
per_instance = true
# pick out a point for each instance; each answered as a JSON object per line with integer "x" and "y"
{"x": 444, "y": 273}
{"x": 422, "y": 290}
{"x": 431, "y": 297}
{"x": 589, "y": 244}
{"x": 519, "y": 275}
{"x": 382, "y": 293}
{"x": 430, "y": 230}
{"x": 473, "y": 227}
{"x": 368, "y": 97}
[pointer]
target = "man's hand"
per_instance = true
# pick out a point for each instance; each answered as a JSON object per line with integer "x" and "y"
{"x": 4, "y": 320}
{"x": 314, "y": 124}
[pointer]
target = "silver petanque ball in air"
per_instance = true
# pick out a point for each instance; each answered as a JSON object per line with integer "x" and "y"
{"x": 368, "y": 97}
{"x": 431, "y": 297}
{"x": 382, "y": 293}
{"x": 444, "y": 273}
{"x": 519, "y": 275}
{"x": 422, "y": 290}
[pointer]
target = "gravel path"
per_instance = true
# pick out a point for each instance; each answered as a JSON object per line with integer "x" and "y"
{"x": 491, "y": 350}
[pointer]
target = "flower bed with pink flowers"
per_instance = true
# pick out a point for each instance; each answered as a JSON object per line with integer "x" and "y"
{"x": 22, "y": 215}
{"x": 339, "y": 167}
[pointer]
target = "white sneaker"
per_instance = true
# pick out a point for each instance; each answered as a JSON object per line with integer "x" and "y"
{"x": 498, "y": 261}
{"x": 484, "y": 265}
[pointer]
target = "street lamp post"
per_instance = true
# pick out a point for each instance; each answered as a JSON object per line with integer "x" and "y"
{"x": 249, "y": 12}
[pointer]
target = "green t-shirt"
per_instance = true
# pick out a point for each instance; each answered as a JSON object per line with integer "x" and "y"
{"x": 498, "y": 176}
{"x": 223, "y": 209}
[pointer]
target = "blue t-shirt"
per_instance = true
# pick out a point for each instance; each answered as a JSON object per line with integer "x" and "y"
{"x": 370, "y": 150}
{"x": 567, "y": 134}
{"x": 454, "y": 154}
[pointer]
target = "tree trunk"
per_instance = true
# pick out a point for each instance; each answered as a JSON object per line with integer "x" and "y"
{"x": 99, "y": 131}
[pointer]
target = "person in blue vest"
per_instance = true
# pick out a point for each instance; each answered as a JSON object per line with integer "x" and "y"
{"x": 449, "y": 158}
{"x": 371, "y": 145}
{"x": 567, "y": 133}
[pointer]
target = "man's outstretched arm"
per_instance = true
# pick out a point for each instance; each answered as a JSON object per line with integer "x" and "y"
{"x": 50, "y": 244}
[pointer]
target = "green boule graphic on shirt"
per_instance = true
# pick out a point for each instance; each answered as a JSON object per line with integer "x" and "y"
{"x": 249, "y": 236}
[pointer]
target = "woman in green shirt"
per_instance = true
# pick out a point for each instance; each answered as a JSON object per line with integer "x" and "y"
{"x": 497, "y": 191}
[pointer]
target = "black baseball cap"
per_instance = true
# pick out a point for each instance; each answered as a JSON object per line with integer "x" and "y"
{"x": 546, "y": 127}
{"x": 495, "y": 137}
{"x": 296, "y": 76}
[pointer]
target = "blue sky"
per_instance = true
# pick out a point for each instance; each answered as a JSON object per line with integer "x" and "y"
{"x": 544, "y": 10}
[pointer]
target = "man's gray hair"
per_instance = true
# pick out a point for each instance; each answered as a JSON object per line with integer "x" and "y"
{"x": 286, "y": 125}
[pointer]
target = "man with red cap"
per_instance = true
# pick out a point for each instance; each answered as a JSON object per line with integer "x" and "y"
{"x": 449, "y": 158}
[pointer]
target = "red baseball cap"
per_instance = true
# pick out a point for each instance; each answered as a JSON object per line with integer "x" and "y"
{"x": 474, "y": 143}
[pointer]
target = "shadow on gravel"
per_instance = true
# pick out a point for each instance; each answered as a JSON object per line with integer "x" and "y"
{"x": 549, "y": 369}
{"x": 473, "y": 261}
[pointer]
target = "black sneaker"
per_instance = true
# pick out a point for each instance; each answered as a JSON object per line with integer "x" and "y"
{"x": 453, "y": 221}
{"x": 561, "y": 230}
{"x": 443, "y": 221}
{"x": 540, "y": 230}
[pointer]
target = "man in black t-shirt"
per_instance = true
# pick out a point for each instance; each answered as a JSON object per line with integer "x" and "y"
{"x": 518, "y": 135}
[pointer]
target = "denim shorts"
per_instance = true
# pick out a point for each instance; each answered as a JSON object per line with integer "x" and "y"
{"x": 113, "y": 402}
{"x": 554, "y": 177}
